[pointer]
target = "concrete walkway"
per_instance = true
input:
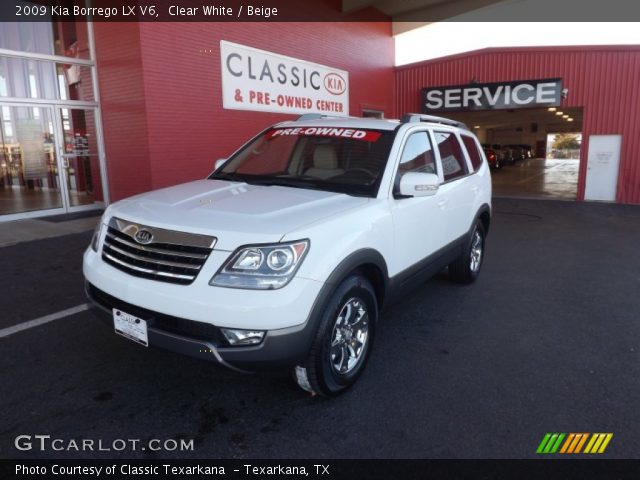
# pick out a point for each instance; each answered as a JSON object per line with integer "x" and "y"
{"x": 20, "y": 231}
{"x": 553, "y": 179}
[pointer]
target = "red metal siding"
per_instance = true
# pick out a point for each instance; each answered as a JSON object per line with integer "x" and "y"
{"x": 602, "y": 80}
{"x": 119, "y": 63}
{"x": 176, "y": 96}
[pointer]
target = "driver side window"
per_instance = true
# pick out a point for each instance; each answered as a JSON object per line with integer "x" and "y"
{"x": 417, "y": 155}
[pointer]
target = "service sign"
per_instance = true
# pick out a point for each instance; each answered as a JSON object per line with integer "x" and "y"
{"x": 493, "y": 96}
{"x": 262, "y": 81}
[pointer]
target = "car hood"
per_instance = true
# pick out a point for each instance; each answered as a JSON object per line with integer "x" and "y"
{"x": 235, "y": 213}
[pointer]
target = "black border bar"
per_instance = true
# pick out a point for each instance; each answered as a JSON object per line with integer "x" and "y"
{"x": 318, "y": 11}
{"x": 542, "y": 469}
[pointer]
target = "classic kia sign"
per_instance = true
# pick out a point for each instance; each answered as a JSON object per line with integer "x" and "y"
{"x": 493, "y": 96}
{"x": 258, "y": 80}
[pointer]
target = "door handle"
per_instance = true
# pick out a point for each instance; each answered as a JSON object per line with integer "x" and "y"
{"x": 442, "y": 202}
{"x": 475, "y": 189}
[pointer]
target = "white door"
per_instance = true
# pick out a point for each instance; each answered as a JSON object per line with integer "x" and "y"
{"x": 29, "y": 160}
{"x": 418, "y": 221}
{"x": 459, "y": 189}
{"x": 80, "y": 157}
{"x": 603, "y": 163}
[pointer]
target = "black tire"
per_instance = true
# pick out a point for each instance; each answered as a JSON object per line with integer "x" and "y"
{"x": 318, "y": 373}
{"x": 466, "y": 268}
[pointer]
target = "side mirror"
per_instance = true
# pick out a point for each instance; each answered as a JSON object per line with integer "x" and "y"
{"x": 415, "y": 184}
{"x": 219, "y": 163}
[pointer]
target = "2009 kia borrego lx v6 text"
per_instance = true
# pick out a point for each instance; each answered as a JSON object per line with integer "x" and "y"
{"x": 285, "y": 255}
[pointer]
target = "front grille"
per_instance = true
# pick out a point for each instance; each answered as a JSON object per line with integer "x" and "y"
{"x": 159, "y": 321}
{"x": 173, "y": 257}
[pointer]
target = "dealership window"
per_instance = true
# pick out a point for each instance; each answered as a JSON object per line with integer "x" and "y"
{"x": 370, "y": 113}
{"x": 473, "y": 151}
{"x": 30, "y": 78}
{"x": 417, "y": 155}
{"x": 50, "y": 150}
{"x": 66, "y": 39}
{"x": 453, "y": 162}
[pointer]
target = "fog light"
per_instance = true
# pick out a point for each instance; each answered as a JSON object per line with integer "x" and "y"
{"x": 243, "y": 337}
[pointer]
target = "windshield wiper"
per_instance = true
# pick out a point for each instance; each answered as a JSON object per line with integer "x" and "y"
{"x": 283, "y": 182}
{"x": 304, "y": 181}
{"x": 231, "y": 176}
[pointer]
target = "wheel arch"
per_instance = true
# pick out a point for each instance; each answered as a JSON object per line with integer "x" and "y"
{"x": 368, "y": 262}
{"x": 314, "y": 374}
{"x": 484, "y": 215}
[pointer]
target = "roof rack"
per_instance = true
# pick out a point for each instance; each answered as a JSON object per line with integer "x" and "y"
{"x": 317, "y": 116}
{"x": 419, "y": 117}
{"x": 309, "y": 116}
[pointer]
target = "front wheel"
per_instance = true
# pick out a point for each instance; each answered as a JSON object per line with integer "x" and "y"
{"x": 343, "y": 341}
{"x": 466, "y": 268}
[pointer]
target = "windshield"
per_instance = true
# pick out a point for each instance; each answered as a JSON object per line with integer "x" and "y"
{"x": 342, "y": 160}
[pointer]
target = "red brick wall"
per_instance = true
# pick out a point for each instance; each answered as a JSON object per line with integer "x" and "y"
{"x": 158, "y": 73}
{"x": 122, "y": 100}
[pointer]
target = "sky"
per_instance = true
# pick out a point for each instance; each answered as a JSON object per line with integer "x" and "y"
{"x": 427, "y": 42}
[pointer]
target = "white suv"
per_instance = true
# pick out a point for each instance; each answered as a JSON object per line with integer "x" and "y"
{"x": 285, "y": 255}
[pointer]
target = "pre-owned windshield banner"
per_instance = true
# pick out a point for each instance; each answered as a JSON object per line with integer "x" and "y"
{"x": 352, "y": 133}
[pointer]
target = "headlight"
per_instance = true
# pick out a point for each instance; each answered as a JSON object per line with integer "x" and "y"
{"x": 261, "y": 267}
{"x": 95, "y": 240}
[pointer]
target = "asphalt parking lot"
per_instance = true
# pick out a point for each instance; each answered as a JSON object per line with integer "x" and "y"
{"x": 547, "y": 340}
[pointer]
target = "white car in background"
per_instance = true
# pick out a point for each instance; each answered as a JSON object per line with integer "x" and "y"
{"x": 285, "y": 255}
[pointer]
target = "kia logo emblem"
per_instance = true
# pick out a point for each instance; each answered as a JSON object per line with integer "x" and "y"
{"x": 143, "y": 236}
{"x": 335, "y": 84}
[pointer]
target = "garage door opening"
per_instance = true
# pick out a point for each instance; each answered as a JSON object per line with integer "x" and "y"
{"x": 531, "y": 163}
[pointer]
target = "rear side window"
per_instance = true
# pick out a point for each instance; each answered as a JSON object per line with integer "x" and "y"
{"x": 472, "y": 150}
{"x": 417, "y": 155}
{"x": 453, "y": 162}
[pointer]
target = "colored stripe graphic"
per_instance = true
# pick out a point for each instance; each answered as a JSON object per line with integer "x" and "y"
{"x": 566, "y": 445}
{"x": 604, "y": 445}
{"x": 598, "y": 443}
{"x": 583, "y": 439}
{"x": 574, "y": 443}
{"x": 543, "y": 443}
{"x": 550, "y": 443}
{"x": 594, "y": 437}
{"x": 556, "y": 445}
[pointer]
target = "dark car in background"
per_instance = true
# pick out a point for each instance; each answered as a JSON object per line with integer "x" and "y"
{"x": 528, "y": 151}
{"x": 502, "y": 153}
{"x": 492, "y": 158}
{"x": 517, "y": 152}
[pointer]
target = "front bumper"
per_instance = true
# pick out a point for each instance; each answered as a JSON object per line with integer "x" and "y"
{"x": 224, "y": 307}
{"x": 280, "y": 349}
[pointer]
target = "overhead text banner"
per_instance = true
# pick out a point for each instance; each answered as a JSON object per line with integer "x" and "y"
{"x": 493, "y": 96}
{"x": 263, "y": 81}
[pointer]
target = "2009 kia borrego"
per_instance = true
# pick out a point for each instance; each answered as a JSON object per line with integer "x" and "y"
{"x": 285, "y": 255}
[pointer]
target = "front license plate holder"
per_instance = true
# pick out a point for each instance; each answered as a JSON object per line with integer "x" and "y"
{"x": 131, "y": 327}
